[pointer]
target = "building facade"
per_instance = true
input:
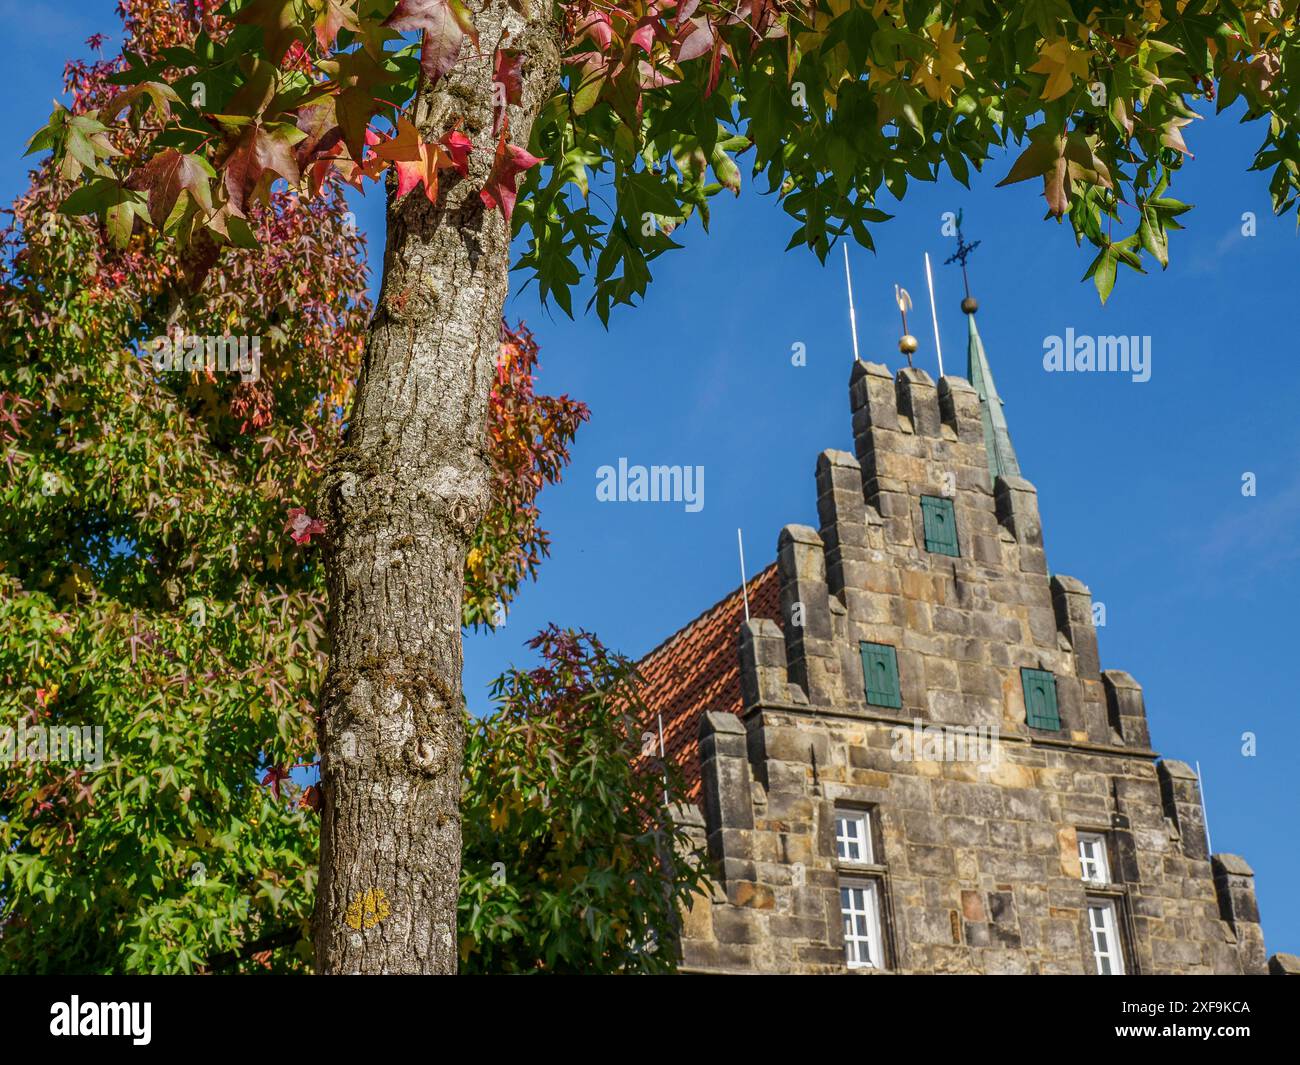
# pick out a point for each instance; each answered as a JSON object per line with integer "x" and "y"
{"x": 904, "y": 753}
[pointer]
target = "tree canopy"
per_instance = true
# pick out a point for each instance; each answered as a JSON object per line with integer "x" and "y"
{"x": 834, "y": 101}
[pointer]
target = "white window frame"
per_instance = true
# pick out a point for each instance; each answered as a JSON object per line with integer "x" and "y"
{"x": 853, "y": 829}
{"x": 1092, "y": 858}
{"x": 1103, "y": 920}
{"x": 860, "y": 909}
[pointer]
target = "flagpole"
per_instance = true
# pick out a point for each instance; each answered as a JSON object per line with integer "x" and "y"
{"x": 853, "y": 318}
{"x": 663, "y": 757}
{"x": 934, "y": 314}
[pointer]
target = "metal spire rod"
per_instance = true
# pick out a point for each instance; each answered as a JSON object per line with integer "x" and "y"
{"x": 934, "y": 314}
{"x": 663, "y": 757}
{"x": 740, "y": 541}
{"x": 853, "y": 318}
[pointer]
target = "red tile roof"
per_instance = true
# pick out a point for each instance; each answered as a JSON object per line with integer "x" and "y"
{"x": 698, "y": 669}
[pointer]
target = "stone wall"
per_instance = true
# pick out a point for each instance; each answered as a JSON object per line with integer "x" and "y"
{"x": 976, "y": 865}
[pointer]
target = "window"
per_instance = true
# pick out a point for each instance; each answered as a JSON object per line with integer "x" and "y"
{"x": 853, "y": 838}
{"x": 1040, "y": 699}
{"x": 940, "y": 521}
{"x": 1105, "y": 937}
{"x": 880, "y": 675}
{"x": 860, "y": 908}
{"x": 861, "y": 891}
{"x": 1092, "y": 858}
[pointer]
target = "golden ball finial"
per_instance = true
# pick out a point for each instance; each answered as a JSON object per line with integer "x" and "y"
{"x": 907, "y": 344}
{"x": 969, "y": 305}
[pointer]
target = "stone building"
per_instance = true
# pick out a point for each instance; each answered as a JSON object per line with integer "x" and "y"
{"x": 907, "y": 758}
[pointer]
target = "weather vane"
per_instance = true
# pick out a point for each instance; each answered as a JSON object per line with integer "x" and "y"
{"x": 906, "y": 343}
{"x": 960, "y": 256}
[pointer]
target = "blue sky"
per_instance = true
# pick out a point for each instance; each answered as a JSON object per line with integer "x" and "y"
{"x": 1140, "y": 485}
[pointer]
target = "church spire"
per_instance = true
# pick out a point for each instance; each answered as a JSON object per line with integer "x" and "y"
{"x": 997, "y": 436}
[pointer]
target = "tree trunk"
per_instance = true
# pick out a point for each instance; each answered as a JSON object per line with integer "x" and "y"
{"x": 401, "y": 503}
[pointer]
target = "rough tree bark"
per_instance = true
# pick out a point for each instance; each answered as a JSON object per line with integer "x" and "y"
{"x": 401, "y": 503}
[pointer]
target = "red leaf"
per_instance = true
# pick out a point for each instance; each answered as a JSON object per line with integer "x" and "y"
{"x": 333, "y": 17}
{"x": 165, "y": 177}
{"x": 644, "y": 35}
{"x": 507, "y": 72}
{"x": 598, "y": 27}
{"x": 458, "y": 148}
{"x": 693, "y": 40}
{"x": 510, "y": 162}
{"x": 507, "y": 69}
{"x": 419, "y": 161}
{"x": 444, "y": 23}
{"x": 320, "y": 122}
{"x": 260, "y": 155}
{"x": 715, "y": 64}
{"x": 301, "y": 526}
{"x": 273, "y": 777}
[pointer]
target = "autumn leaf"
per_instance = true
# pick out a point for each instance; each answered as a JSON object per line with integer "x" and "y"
{"x": 1045, "y": 157}
{"x": 444, "y": 23}
{"x": 1171, "y": 135}
{"x": 1062, "y": 63}
{"x": 507, "y": 71}
{"x": 458, "y": 147}
{"x": 301, "y": 526}
{"x": 694, "y": 38}
{"x": 943, "y": 71}
{"x": 161, "y": 95}
{"x": 510, "y": 162}
{"x": 273, "y": 777}
{"x": 507, "y": 84}
{"x": 261, "y": 154}
{"x": 333, "y": 15}
{"x": 1084, "y": 164}
{"x": 418, "y": 161}
{"x": 166, "y": 176}
{"x": 350, "y": 172}
{"x": 1060, "y": 160}
{"x": 362, "y": 78}
{"x": 354, "y": 107}
{"x": 310, "y": 799}
{"x": 320, "y": 123}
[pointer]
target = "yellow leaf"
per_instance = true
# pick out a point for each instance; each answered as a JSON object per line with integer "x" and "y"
{"x": 1062, "y": 63}
{"x": 943, "y": 71}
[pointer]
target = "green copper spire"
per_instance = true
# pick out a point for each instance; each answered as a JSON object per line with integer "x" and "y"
{"x": 997, "y": 437}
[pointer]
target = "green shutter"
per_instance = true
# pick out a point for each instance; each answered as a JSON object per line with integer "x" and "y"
{"x": 940, "y": 525}
{"x": 1040, "y": 699}
{"x": 880, "y": 671}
